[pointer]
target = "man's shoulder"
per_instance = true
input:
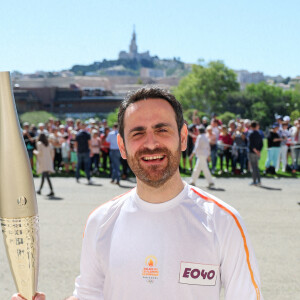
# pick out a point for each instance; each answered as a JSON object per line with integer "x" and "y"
{"x": 217, "y": 209}
{"x": 103, "y": 212}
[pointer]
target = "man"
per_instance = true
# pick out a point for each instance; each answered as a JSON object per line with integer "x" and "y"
{"x": 212, "y": 138}
{"x": 202, "y": 152}
{"x": 114, "y": 154}
{"x": 295, "y": 147}
{"x": 255, "y": 147}
{"x": 83, "y": 146}
{"x": 285, "y": 135}
{"x": 274, "y": 141}
{"x": 42, "y": 129}
{"x": 164, "y": 239}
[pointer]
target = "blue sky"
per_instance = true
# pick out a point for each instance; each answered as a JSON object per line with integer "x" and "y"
{"x": 54, "y": 35}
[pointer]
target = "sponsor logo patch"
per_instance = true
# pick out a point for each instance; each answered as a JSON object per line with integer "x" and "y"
{"x": 200, "y": 274}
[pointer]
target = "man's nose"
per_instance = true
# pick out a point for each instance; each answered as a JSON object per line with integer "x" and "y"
{"x": 151, "y": 141}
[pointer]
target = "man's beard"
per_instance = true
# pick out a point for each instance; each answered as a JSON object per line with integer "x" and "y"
{"x": 155, "y": 175}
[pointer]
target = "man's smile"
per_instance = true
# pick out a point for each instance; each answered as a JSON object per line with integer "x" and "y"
{"x": 153, "y": 158}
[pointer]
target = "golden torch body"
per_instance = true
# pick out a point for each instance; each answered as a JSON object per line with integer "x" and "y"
{"x": 18, "y": 205}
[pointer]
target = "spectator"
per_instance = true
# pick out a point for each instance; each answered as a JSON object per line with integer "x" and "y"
{"x": 69, "y": 123}
{"x": 29, "y": 140}
{"x": 225, "y": 150}
{"x": 195, "y": 118}
{"x": 202, "y": 152}
{"x": 73, "y": 150}
{"x": 205, "y": 121}
{"x": 192, "y": 135}
{"x": 83, "y": 146}
{"x": 125, "y": 168}
{"x": 65, "y": 153}
{"x": 104, "y": 148}
{"x": 285, "y": 135}
{"x": 240, "y": 143}
{"x": 114, "y": 154}
{"x": 295, "y": 149}
{"x": 255, "y": 147}
{"x": 215, "y": 127}
{"x": 56, "y": 141}
{"x": 185, "y": 154}
{"x": 45, "y": 157}
{"x": 279, "y": 120}
{"x": 212, "y": 138}
{"x": 274, "y": 141}
{"x": 231, "y": 127}
{"x": 95, "y": 151}
{"x": 41, "y": 129}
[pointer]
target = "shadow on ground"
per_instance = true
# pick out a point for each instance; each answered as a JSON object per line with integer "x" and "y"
{"x": 269, "y": 188}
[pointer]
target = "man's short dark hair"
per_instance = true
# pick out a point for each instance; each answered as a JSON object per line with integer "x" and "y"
{"x": 253, "y": 124}
{"x": 147, "y": 93}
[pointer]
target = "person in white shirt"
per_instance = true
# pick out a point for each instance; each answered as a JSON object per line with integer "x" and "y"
{"x": 164, "y": 239}
{"x": 65, "y": 153}
{"x": 202, "y": 152}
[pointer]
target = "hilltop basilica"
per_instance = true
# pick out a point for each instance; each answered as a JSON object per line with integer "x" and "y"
{"x": 133, "y": 51}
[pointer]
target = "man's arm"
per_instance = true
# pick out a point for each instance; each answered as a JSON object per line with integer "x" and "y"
{"x": 238, "y": 269}
{"x": 89, "y": 284}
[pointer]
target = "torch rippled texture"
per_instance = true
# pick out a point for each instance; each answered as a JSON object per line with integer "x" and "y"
{"x": 18, "y": 206}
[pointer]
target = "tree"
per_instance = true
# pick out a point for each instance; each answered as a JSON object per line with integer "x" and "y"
{"x": 266, "y": 101}
{"x": 35, "y": 117}
{"x": 226, "y": 117}
{"x": 112, "y": 118}
{"x": 206, "y": 87}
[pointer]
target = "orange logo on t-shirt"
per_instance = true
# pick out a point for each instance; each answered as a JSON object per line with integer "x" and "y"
{"x": 150, "y": 271}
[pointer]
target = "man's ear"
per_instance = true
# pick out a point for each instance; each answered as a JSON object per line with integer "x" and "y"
{"x": 121, "y": 146}
{"x": 183, "y": 137}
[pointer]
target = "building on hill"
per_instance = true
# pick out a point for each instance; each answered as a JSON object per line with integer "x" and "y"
{"x": 152, "y": 73}
{"x": 244, "y": 77}
{"x": 133, "y": 51}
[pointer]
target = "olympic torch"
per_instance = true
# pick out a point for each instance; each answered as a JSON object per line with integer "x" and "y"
{"x": 18, "y": 206}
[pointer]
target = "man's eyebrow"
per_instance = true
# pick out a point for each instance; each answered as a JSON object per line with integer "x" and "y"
{"x": 160, "y": 125}
{"x": 156, "y": 126}
{"x": 137, "y": 128}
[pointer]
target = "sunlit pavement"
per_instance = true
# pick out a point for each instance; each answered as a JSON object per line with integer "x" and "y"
{"x": 271, "y": 214}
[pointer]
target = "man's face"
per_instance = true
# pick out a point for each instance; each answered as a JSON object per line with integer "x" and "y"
{"x": 152, "y": 144}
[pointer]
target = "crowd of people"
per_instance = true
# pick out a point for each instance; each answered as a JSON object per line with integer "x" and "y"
{"x": 89, "y": 145}
{"x": 237, "y": 146}
{"x": 74, "y": 146}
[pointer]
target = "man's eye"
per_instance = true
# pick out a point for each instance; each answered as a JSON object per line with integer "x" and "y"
{"x": 162, "y": 130}
{"x": 137, "y": 133}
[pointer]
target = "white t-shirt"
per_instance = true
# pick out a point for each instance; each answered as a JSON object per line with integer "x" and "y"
{"x": 185, "y": 248}
{"x": 65, "y": 149}
{"x": 202, "y": 147}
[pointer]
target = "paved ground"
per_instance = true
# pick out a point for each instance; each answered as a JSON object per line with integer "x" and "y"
{"x": 271, "y": 214}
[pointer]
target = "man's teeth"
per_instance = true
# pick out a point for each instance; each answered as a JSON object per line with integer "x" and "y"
{"x": 153, "y": 157}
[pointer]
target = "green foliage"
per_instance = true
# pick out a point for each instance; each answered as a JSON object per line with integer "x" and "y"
{"x": 262, "y": 101}
{"x": 139, "y": 81}
{"x": 295, "y": 115}
{"x": 206, "y": 87}
{"x": 112, "y": 118}
{"x": 226, "y": 117}
{"x": 36, "y": 117}
{"x": 259, "y": 111}
{"x": 188, "y": 115}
